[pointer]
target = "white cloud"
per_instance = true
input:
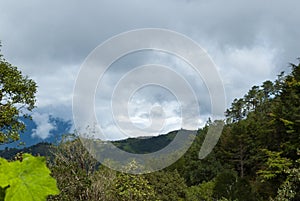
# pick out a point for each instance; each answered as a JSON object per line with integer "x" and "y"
{"x": 44, "y": 126}
{"x": 241, "y": 68}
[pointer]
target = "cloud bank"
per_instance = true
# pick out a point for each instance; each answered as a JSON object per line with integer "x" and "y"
{"x": 250, "y": 41}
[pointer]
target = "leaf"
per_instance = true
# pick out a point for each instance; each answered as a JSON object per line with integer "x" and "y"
{"x": 27, "y": 180}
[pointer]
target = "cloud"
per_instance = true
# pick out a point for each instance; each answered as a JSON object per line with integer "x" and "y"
{"x": 157, "y": 108}
{"x": 249, "y": 41}
{"x": 241, "y": 68}
{"x": 43, "y": 125}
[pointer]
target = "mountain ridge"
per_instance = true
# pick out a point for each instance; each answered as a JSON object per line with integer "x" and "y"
{"x": 139, "y": 145}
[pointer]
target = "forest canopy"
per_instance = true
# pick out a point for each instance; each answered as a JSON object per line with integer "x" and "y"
{"x": 256, "y": 157}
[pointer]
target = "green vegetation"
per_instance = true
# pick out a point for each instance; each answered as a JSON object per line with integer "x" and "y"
{"x": 17, "y": 94}
{"x": 256, "y": 158}
{"x": 145, "y": 145}
{"x": 27, "y": 178}
{"x": 40, "y": 149}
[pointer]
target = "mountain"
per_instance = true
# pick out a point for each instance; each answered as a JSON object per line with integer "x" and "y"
{"x": 41, "y": 149}
{"x": 138, "y": 145}
{"x": 142, "y": 145}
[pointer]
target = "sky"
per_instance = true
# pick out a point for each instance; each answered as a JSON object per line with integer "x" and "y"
{"x": 249, "y": 42}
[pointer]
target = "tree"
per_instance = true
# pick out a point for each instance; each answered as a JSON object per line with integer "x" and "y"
{"x": 196, "y": 171}
{"x": 229, "y": 185}
{"x": 17, "y": 97}
{"x": 168, "y": 185}
{"x": 74, "y": 168}
{"x": 290, "y": 189}
{"x": 130, "y": 187}
{"x": 201, "y": 192}
{"x": 234, "y": 146}
{"x": 286, "y": 114}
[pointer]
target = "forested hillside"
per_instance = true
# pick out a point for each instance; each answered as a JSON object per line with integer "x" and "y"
{"x": 42, "y": 149}
{"x": 256, "y": 158}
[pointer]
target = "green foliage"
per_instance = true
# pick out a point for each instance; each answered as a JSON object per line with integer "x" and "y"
{"x": 290, "y": 188}
{"x": 261, "y": 138}
{"x": 145, "y": 145}
{"x": 26, "y": 179}
{"x": 193, "y": 170}
{"x": 202, "y": 192}
{"x": 103, "y": 185}
{"x": 168, "y": 185}
{"x": 17, "y": 94}
{"x": 255, "y": 158}
{"x": 228, "y": 185}
{"x": 81, "y": 177}
{"x": 73, "y": 168}
{"x": 225, "y": 185}
{"x": 133, "y": 187}
{"x": 236, "y": 147}
{"x": 274, "y": 166}
{"x": 40, "y": 149}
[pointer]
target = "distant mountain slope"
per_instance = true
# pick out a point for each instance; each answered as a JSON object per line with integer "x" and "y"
{"x": 143, "y": 145}
{"x": 138, "y": 145}
{"x": 42, "y": 149}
